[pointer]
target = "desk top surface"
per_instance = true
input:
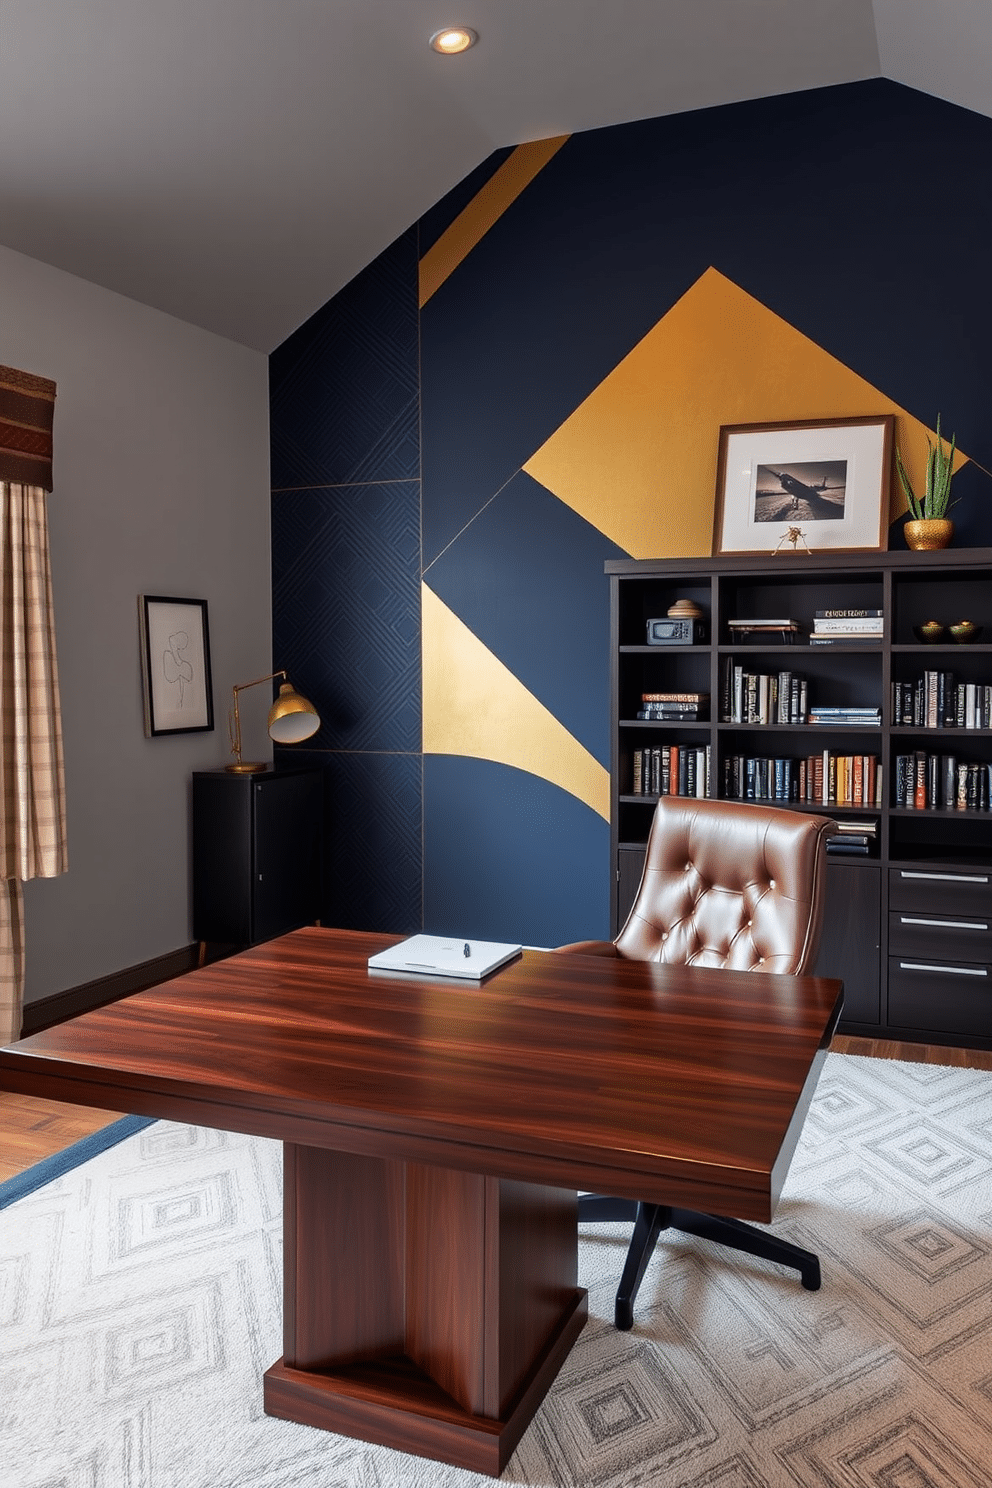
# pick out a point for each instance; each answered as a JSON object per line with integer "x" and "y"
{"x": 683, "y": 1085}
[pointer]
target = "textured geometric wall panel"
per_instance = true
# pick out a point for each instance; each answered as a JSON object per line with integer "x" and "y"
{"x": 510, "y": 857}
{"x": 372, "y": 838}
{"x": 526, "y": 576}
{"x": 346, "y": 609}
{"x": 343, "y": 389}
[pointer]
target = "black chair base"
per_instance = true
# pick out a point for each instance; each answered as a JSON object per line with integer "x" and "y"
{"x": 651, "y": 1219}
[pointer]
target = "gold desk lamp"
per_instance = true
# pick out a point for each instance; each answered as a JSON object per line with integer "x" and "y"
{"x": 292, "y": 718}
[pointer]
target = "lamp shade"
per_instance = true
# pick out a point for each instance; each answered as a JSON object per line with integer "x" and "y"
{"x": 292, "y": 717}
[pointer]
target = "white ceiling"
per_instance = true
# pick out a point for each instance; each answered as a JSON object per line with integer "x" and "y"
{"x": 235, "y": 162}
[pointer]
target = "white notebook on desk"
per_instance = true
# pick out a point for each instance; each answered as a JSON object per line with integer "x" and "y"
{"x": 445, "y": 955}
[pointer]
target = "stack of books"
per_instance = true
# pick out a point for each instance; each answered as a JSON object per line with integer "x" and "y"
{"x": 848, "y": 717}
{"x": 854, "y": 839}
{"x": 675, "y": 707}
{"x": 841, "y": 627}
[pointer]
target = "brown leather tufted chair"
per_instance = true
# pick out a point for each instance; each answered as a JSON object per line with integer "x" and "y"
{"x": 725, "y": 884}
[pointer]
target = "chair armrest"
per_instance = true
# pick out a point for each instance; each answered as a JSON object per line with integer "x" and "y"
{"x": 589, "y": 948}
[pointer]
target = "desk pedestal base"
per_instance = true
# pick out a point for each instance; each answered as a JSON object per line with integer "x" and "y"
{"x": 425, "y": 1309}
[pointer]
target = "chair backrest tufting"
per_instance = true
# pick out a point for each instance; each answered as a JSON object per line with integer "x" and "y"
{"x": 729, "y": 884}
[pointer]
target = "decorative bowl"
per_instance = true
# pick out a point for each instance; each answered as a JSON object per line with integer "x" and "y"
{"x": 965, "y": 630}
{"x": 930, "y": 633}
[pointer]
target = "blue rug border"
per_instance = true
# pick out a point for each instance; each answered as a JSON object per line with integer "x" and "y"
{"x": 63, "y": 1162}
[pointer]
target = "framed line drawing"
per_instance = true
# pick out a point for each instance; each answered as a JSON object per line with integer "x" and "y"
{"x": 175, "y": 665}
{"x": 829, "y": 479}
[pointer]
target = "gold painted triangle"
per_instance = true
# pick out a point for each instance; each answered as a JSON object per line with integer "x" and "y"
{"x": 474, "y": 705}
{"x": 638, "y": 458}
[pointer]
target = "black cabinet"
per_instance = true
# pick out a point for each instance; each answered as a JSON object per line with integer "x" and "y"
{"x": 813, "y": 681}
{"x": 257, "y": 854}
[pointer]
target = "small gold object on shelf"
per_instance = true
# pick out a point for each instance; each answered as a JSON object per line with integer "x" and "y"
{"x": 795, "y": 536}
{"x": 929, "y": 533}
{"x": 963, "y": 631}
{"x": 684, "y": 609}
{"x": 930, "y": 633}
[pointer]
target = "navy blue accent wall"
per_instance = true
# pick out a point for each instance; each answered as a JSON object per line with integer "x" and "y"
{"x": 861, "y": 214}
{"x": 540, "y": 604}
{"x": 346, "y": 566}
{"x": 511, "y": 857}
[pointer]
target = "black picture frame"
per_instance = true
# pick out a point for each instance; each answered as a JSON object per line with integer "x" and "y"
{"x": 175, "y": 665}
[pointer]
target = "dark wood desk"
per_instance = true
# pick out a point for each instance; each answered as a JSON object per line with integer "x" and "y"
{"x": 435, "y": 1135}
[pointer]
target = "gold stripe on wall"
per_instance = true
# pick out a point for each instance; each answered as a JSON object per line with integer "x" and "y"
{"x": 475, "y": 706}
{"x": 485, "y": 208}
{"x": 638, "y": 458}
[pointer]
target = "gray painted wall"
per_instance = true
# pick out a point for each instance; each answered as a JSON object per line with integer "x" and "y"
{"x": 161, "y": 487}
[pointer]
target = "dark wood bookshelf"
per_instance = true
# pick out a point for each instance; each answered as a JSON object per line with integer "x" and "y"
{"x": 908, "y": 926}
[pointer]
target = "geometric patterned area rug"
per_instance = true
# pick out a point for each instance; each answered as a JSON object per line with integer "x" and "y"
{"x": 140, "y": 1303}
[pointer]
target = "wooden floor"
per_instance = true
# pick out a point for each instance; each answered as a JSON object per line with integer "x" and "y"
{"x": 32, "y": 1129}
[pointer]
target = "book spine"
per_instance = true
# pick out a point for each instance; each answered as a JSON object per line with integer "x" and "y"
{"x": 850, "y": 613}
{"x": 920, "y": 780}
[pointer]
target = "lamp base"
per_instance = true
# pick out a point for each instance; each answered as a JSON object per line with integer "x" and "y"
{"x": 246, "y": 767}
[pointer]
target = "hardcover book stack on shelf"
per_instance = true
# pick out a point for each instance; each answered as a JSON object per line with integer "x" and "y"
{"x": 671, "y": 770}
{"x": 841, "y": 627}
{"x": 854, "y": 839}
{"x": 936, "y": 700}
{"x": 941, "y": 782}
{"x": 851, "y": 716}
{"x": 823, "y": 779}
{"x": 674, "y": 707}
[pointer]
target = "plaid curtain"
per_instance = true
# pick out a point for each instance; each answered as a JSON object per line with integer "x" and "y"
{"x": 32, "y": 782}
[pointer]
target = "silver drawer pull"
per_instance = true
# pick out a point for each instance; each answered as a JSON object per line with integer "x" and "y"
{"x": 979, "y": 971}
{"x": 949, "y": 877}
{"x": 944, "y": 924}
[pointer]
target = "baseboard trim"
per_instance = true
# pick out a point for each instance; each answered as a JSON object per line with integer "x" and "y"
{"x": 47, "y": 1011}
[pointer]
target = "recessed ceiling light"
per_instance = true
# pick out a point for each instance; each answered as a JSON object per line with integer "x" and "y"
{"x": 452, "y": 39}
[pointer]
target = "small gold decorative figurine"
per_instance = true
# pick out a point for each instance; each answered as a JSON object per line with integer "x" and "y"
{"x": 795, "y": 536}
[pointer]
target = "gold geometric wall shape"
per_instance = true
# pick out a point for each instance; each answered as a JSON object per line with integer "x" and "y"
{"x": 638, "y": 458}
{"x": 485, "y": 209}
{"x": 473, "y": 705}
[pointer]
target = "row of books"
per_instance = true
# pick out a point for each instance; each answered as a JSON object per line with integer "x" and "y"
{"x": 822, "y": 779}
{"x": 762, "y": 697}
{"x": 941, "y": 782}
{"x": 675, "y": 707}
{"x": 671, "y": 770}
{"x": 783, "y": 697}
{"x": 936, "y": 700}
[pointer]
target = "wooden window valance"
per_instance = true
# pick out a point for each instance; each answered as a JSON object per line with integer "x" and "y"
{"x": 27, "y": 413}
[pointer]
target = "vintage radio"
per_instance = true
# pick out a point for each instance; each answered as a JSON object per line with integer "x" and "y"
{"x": 676, "y": 630}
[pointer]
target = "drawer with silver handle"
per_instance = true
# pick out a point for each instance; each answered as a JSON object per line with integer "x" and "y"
{"x": 944, "y": 937}
{"x": 938, "y": 997}
{"x": 957, "y": 891}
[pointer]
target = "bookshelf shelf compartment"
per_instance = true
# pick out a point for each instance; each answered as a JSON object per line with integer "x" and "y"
{"x": 908, "y": 589}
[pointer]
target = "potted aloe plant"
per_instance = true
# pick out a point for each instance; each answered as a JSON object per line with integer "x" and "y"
{"x": 931, "y": 527}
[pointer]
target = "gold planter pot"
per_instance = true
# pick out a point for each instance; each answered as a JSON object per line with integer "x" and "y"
{"x": 930, "y": 532}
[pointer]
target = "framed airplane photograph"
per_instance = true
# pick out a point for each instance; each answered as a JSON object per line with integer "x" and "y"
{"x": 806, "y": 486}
